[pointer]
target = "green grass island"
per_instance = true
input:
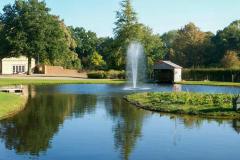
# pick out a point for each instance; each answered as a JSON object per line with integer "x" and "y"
{"x": 201, "y": 104}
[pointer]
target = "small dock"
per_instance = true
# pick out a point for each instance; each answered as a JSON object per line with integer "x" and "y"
{"x": 14, "y": 89}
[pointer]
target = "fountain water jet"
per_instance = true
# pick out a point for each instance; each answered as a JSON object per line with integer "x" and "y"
{"x": 136, "y": 66}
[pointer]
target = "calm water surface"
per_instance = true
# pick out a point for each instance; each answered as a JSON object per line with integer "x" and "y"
{"x": 93, "y": 122}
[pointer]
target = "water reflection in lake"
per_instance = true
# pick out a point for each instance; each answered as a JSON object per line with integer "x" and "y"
{"x": 94, "y": 122}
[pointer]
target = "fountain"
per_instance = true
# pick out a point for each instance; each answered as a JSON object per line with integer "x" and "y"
{"x": 136, "y": 66}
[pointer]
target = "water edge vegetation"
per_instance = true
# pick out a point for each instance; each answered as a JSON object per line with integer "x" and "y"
{"x": 202, "y": 104}
{"x": 10, "y": 104}
{"x": 18, "y": 81}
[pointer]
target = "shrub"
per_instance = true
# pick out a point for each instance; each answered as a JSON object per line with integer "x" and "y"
{"x": 97, "y": 75}
{"x": 112, "y": 74}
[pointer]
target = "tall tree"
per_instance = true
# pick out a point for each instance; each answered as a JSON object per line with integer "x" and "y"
{"x": 153, "y": 46}
{"x": 5, "y": 50}
{"x": 189, "y": 46}
{"x": 126, "y": 30}
{"x": 28, "y": 29}
{"x": 24, "y": 24}
{"x": 227, "y": 39}
{"x": 86, "y": 42}
{"x": 168, "y": 40}
{"x": 60, "y": 45}
{"x": 106, "y": 48}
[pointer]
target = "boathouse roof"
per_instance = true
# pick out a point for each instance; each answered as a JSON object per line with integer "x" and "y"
{"x": 166, "y": 65}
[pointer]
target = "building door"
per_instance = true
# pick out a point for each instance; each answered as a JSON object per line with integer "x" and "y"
{"x": 164, "y": 75}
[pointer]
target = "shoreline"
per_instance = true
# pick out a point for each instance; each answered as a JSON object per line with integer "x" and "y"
{"x": 11, "y": 107}
{"x": 136, "y": 104}
{"x": 210, "y": 83}
{"x": 176, "y": 109}
{"x": 50, "y": 81}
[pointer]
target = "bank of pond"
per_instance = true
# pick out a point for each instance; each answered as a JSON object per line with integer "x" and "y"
{"x": 212, "y": 105}
{"x": 11, "y": 104}
{"x": 202, "y": 104}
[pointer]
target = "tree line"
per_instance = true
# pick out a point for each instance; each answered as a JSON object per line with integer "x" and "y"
{"x": 28, "y": 28}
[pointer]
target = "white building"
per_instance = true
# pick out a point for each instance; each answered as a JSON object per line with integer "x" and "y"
{"x": 166, "y": 71}
{"x": 15, "y": 65}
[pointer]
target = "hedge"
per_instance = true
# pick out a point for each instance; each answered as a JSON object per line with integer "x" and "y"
{"x": 226, "y": 75}
{"x": 111, "y": 74}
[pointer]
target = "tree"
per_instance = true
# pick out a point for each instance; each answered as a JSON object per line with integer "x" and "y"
{"x": 126, "y": 22}
{"x": 86, "y": 42}
{"x": 106, "y": 48}
{"x": 126, "y": 30}
{"x": 168, "y": 40}
{"x": 96, "y": 61}
{"x": 153, "y": 46}
{"x": 230, "y": 60}
{"x": 24, "y": 25}
{"x": 28, "y": 29}
{"x": 60, "y": 48}
{"x": 189, "y": 46}
{"x": 227, "y": 39}
{"x": 4, "y": 45}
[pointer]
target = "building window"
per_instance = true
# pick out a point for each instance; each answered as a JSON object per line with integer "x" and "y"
{"x": 13, "y": 69}
{"x": 18, "y": 69}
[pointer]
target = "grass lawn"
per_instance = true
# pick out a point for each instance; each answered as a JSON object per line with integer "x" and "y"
{"x": 17, "y": 81}
{"x": 211, "y": 83}
{"x": 10, "y": 104}
{"x": 208, "y": 105}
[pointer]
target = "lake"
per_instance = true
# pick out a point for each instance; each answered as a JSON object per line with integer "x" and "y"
{"x": 93, "y": 122}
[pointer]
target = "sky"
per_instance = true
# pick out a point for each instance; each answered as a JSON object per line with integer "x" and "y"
{"x": 160, "y": 15}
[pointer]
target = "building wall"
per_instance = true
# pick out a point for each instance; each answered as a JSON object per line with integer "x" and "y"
{"x": 60, "y": 71}
{"x": 8, "y": 63}
{"x": 177, "y": 75}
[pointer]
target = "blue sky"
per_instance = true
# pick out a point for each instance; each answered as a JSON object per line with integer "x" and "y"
{"x": 160, "y": 15}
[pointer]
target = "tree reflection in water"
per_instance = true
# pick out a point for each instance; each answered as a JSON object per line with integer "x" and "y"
{"x": 31, "y": 131}
{"x": 236, "y": 125}
{"x": 128, "y": 121}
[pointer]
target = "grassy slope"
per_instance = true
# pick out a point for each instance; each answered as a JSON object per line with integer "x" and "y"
{"x": 11, "y": 81}
{"x": 211, "y": 83}
{"x": 10, "y": 104}
{"x": 160, "y": 103}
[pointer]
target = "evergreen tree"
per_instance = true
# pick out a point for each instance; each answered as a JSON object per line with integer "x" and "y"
{"x": 126, "y": 30}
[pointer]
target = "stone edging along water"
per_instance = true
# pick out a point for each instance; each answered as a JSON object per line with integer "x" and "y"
{"x": 225, "y": 114}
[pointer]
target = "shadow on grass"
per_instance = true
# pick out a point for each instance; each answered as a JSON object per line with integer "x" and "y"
{"x": 212, "y": 110}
